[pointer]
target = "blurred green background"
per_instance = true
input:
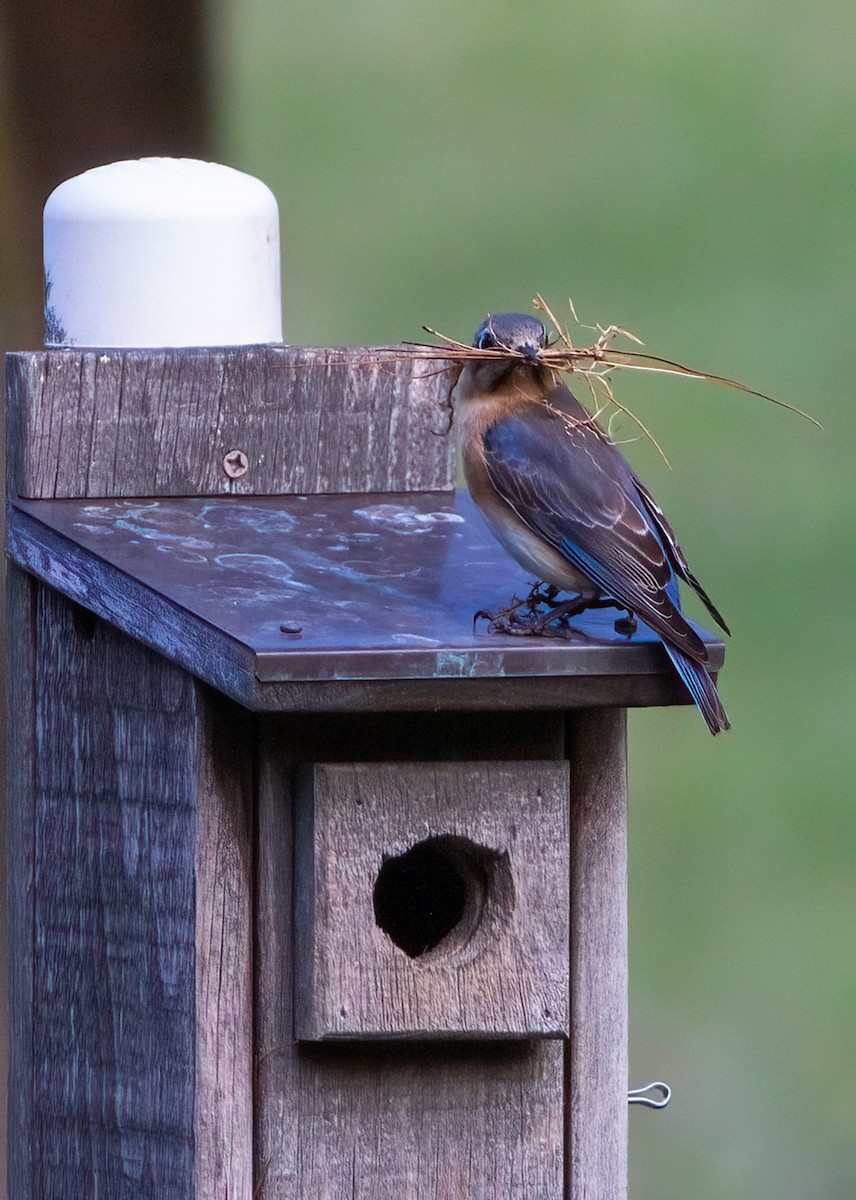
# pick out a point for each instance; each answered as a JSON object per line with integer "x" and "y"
{"x": 688, "y": 171}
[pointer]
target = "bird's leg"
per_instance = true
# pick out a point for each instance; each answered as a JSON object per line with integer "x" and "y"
{"x": 542, "y": 593}
{"x": 501, "y": 621}
{"x": 532, "y": 623}
{"x": 561, "y": 612}
{"x": 626, "y": 624}
{"x": 554, "y": 622}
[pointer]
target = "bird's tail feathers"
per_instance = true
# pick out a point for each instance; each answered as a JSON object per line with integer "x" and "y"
{"x": 702, "y": 689}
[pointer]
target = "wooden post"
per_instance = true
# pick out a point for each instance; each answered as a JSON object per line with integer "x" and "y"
{"x": 130, "y": 894}
{"x": 597, "y": 1052}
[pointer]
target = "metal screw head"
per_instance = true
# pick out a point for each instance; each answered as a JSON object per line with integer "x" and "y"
{"x": 236, "y": 464}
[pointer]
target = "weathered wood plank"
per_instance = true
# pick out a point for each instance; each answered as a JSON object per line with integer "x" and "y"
{"x": 20, "y": 840}
{"x": 160, "y": 422}
{"x": 130, "y": 899}
{"x": 428, "y": 1121}
{"x": 597, "y": 1055}
{"x": 223, "y": 1104}
{"x": 277, "y": 1066}
{"x": 432, "y": 1121}
{"x": 113, "y": 916}
{"x": 432, "y": 900}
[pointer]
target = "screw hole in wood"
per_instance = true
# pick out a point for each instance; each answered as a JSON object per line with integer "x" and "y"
{"x": 440, "y": 894}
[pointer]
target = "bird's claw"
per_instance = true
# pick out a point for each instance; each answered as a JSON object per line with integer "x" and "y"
{"x": 517, "y": 626}
{"x": 507, "y": 620}
{"x": 525, "y": 618}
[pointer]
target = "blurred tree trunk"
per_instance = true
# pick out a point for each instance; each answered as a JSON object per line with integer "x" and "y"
{"x": 83, "y": 82}
{"x": 92, "y": 81}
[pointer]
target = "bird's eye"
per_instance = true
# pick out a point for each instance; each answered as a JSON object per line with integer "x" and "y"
{"x": 484, "y": 341}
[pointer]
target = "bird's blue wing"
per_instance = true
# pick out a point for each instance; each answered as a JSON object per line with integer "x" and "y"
{"x": 674, "y": 552}
{"x": 561, "y": 477}
{"x": 562, "y": 398}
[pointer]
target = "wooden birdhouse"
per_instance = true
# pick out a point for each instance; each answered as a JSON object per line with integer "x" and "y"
{"x": 315, "y": 891}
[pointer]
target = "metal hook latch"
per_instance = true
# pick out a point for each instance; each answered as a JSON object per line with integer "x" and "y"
{"x": 640, "y": 1095}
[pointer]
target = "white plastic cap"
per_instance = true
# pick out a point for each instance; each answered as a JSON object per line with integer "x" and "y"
{"x": 162, "y": 252}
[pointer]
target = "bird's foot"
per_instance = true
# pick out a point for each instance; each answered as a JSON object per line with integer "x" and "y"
{"x": 518, "y": 625}
{"x": 507, "y": 619}
{"x": 526, "y": 618}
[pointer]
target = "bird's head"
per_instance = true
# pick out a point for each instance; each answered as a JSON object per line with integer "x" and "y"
{"x": 516, "y": 332}
{"x": 522, "y": 338}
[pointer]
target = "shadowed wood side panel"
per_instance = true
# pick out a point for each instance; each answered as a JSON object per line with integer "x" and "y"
{"x": 113, "y": 981}
{"x": 223, "y": 1105}
{"x": 597, "y": 1054}
{"x": 278, "y": 1075}
{"x": 20, "y": 829}
{"x": 130, "y": 917}
{"x": 160, "y": 422}
{"x": 384, "y": 1121}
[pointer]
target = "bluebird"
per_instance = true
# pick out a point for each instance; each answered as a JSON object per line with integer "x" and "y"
{"x": 565, "y": 504}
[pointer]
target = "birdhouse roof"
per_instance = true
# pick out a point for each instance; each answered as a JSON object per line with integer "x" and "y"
{"x": 332, "y": 602}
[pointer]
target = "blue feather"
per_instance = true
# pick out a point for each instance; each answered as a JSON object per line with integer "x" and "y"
{"x": 702, "y": 689}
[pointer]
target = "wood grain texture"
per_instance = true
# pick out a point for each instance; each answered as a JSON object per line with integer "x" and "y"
{"x": 597, "y": 1055}
{"x": 278, "y": 1072}
{"x": 20, "y": 840}
{"x": 503, "y": 970}
{"x": 223, "y": 1103}
{"x": 433, "y": 1121}
{"x": 129, "y": 935}
{"x": 426, "y": 1121}
{"x": 113, "y": 916}
{"x": 159, "y": 422}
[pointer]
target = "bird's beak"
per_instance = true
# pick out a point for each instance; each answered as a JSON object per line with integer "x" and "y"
{"x": 531, "y": 351}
